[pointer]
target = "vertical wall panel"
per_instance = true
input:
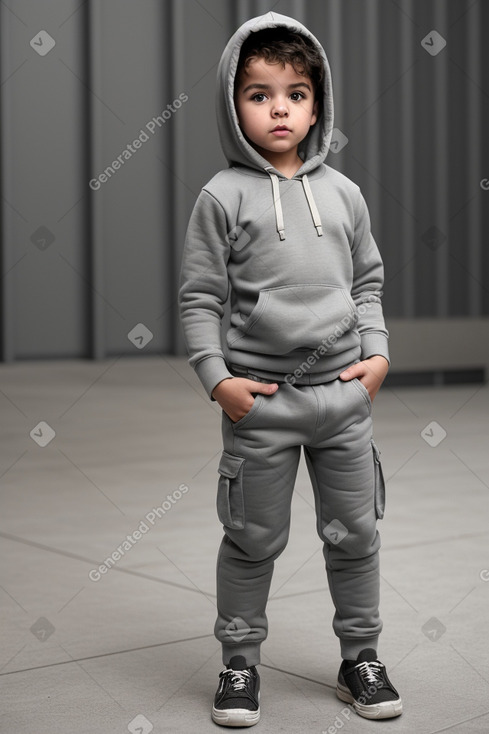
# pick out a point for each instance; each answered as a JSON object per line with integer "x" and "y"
{"x": 372, "y": 128}
{"x": 441, "y": 153}
{"x": 415, "y": 123}
{"x": 425, "y": 133}
{"x": 473, "y": 235}
{"x": 407, "y": 228}
{"x": 6, "y": 186}
{"x": 130, "y": 90}
{"x": 95, "y": 150}
{"x": 178, "y": 163}
{"x": 43, "y": 187}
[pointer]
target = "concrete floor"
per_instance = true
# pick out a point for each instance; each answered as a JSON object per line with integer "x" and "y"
{"x": 133, "y": 649}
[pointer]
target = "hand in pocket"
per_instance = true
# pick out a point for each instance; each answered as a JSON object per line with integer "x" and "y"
{"x": 235, "y": 395}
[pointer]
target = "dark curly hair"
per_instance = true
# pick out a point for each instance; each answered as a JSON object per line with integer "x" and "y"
{"x": 280, "y": 45}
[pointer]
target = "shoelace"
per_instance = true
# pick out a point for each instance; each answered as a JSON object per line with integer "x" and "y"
{"x": 370, "y": 672}
{"x": 239, "y": 678}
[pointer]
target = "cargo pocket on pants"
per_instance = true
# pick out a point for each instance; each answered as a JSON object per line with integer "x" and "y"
{"x": 230, "y": 501}
{"x": 379, "y": 483}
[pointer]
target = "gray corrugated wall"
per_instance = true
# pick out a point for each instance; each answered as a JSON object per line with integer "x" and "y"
{"x": 82, "y": 267}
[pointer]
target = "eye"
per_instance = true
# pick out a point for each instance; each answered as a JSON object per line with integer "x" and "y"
{"x": 258, "y": 97}
{"x": 297, "y": 96}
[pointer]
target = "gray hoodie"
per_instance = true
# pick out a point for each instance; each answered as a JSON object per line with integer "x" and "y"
{"x": 295, "y": 256}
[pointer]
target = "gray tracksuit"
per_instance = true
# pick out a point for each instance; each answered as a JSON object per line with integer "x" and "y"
{"x": 304, "y": 276}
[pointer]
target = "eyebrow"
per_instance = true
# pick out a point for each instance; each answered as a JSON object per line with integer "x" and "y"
{"x": 267, "y": 86}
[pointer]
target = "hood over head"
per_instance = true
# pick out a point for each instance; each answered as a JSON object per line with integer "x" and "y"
{"x": 314, "y": 148}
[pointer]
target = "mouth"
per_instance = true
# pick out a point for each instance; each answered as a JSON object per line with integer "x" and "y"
{"x": 280, "y": 130}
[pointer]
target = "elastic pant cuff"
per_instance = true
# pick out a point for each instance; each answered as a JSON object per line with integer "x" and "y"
{"x": 350, "y": 649}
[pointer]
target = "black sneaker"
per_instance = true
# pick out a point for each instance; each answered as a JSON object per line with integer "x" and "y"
{"x": 237, "y": 701}
{"x": 364, "y": 683}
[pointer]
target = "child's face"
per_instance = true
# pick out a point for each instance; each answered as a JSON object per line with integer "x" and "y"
{"x": 268, "y": 96}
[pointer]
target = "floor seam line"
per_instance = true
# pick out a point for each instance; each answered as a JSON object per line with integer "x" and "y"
{"x": 298, "y": 675}
{"x": 84, "y": 559}
{"x": 106, "y": 654}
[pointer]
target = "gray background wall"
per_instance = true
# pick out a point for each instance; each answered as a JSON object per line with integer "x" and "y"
{"x": 81, "y": 267}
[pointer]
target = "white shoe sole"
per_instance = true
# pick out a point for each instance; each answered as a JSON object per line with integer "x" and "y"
{"x": 382, "y": 710}
{"x": 235, "y": 717}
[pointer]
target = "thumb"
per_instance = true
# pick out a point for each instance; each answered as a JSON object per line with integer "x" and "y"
{"x": 354, "y": 371}
{"x": 263, "y": 387}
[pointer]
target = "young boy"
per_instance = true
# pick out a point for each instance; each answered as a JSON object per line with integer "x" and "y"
{"x": 305, "y": 354}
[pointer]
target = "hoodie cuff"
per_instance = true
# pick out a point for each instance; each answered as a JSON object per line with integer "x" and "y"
{"x": 373, "y": 344}
{"x": 211, "y": 371}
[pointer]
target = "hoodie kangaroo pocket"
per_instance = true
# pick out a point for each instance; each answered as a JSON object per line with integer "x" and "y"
{"x": 296, "y": 317}
{"x": 230, "y": 500}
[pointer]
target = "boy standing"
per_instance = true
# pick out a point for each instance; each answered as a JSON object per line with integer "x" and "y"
{"x": 304, "y": 356}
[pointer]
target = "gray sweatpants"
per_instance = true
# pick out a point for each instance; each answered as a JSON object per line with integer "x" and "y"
{"x": 258, "y": 468}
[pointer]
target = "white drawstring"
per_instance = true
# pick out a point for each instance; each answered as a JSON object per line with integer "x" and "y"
{"x": 312, "y": 205}
{"x": 279, "y": 217}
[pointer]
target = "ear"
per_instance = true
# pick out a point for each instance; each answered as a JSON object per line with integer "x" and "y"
{"x": 315, "y": 113}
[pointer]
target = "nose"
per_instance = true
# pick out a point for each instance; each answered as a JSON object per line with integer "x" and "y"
{"x": 280, "y": 109}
